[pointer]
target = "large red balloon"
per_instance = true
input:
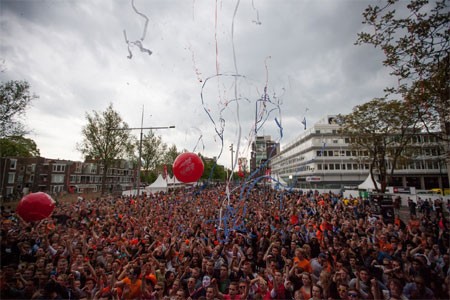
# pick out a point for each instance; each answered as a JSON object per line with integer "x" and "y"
{"x": 35, "y": 207}
{"x": 188, "y": 167}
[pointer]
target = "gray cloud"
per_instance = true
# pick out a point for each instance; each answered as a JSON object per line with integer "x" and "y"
{"x": 74, "y": 55}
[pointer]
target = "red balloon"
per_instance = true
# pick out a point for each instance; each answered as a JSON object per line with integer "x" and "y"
{"x": 35, "y": 207}
{"x": 188, "y": 167}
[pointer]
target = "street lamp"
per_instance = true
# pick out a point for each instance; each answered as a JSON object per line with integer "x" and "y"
{"x": 140, "y": 145}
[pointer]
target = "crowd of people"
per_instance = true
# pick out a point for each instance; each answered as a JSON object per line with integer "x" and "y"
{"x": 208, "y": 243}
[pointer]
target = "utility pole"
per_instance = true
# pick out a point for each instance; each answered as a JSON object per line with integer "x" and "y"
{"x": 140, "y": 146}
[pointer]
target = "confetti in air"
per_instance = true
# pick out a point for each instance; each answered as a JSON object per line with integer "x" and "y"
{"x": 137, "y": 43}
{"x": 225, "y": 97}
{"x": 257, "y": 21}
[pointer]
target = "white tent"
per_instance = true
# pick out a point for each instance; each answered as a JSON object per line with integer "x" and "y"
{"x": 368, "y": 184}
{"x": 173, "y": 181}
{"x": 160, "y": 185}
{"x": 131, "y": 192}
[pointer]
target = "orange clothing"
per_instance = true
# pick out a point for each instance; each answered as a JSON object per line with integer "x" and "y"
{"x": 414, "y": 224}
{"x": 304, "y": 264}
{"x": 131, "y": 290}
{"x": 385, "y": 246}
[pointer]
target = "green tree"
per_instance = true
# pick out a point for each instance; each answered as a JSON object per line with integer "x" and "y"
{"x": 169, "y": 157}
{"x": 415, "y": 41}
{"x": 153, "y": 151}
{"x": 383, "y": 129}
{"x": 15, "y": 98}
{"x": 212, "y": 171}
{"x": 107, "y": 138}
{"x": 18, "y": 146}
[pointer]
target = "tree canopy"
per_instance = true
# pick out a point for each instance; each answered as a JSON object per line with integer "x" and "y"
{"x": 384, "y": 129}
{"x": 415, "y": 40}
{"x": 18, "y": 146}
{"x": 15, "y": 98}
{"x": 106, "y": 137}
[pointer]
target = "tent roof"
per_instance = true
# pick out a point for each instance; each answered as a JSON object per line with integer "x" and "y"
{"x": 368, "y": 184}
{"x": 160, "y": 182}
{"x": 160, "y": 185}
{"x": 173, "y": 180}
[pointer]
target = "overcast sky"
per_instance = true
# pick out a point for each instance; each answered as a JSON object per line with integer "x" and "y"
{"x": 209, "y": 60}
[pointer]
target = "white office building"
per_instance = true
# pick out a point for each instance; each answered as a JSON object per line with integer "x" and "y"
{"x": 321, "y": 158}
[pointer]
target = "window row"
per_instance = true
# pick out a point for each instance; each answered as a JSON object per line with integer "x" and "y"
{"x": 343, "y": 167}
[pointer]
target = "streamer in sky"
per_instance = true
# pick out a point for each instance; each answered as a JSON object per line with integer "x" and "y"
{"x": 257, "y": 21}
{"x": 196, "y": 70}
{"x": 137, "y": 43}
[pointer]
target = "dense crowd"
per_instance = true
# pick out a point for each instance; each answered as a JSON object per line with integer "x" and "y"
{"x": 210, "y": 244}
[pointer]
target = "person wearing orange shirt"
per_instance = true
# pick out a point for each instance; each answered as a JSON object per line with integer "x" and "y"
{"x": 301, "y": 261}
{"x": 131, "y": 284}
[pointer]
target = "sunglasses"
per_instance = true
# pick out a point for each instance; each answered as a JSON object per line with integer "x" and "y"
{"x": 158, "y": 289}
{"x": 353, "y": 295}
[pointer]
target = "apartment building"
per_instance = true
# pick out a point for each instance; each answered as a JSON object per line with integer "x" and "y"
{"x": 20, "y": 175}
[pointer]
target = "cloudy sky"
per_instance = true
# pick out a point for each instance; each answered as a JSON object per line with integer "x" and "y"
{"x": 209, "y": 66}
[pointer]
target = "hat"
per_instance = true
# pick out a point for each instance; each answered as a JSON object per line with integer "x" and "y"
{"x": 151, "y": 277}
{"x": 322, "y": 255}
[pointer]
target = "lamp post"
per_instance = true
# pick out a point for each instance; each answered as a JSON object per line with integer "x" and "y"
{"x": 140, "y": 146}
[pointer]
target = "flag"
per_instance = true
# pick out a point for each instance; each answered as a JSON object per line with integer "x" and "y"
{"x": 304, "y": 122}
{"x": 165, "y": 172}
{"x": 323, "y": 149}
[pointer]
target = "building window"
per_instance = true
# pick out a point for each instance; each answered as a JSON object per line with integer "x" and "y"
{"x": 57, "y": 188}
{"x": 11, "y": 177}
{"x": 319, "y": 166}
{"x": 337, "y": 166}
{"x": 343, "y": 166}
{"x": 57, "y": 178}
{"x": 12, "y": 164}
{"x": 9, "y": 190}
{"x": 331, "y": 166}
{"x": 59, "y": 168}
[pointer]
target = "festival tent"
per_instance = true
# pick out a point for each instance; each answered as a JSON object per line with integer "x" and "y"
{"x": 132, "y": 192}
{"x": 160, "y": 185}
{"x": 173, "y": 181}
{"x": 368, "y": 184}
